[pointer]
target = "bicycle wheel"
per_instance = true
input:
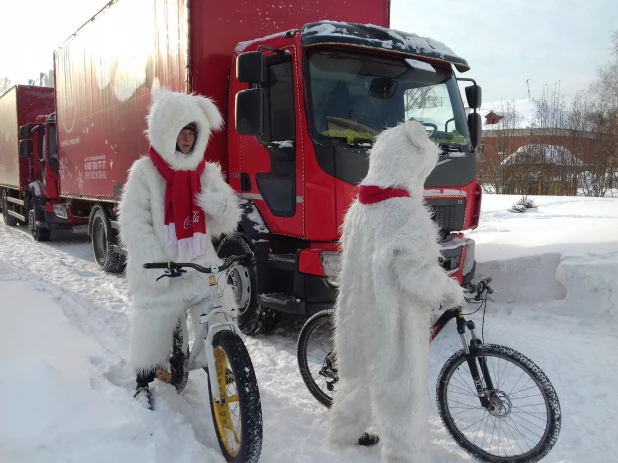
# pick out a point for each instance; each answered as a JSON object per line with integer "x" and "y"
{"x": 522, "y": 422}
{"x": 315, "y": 355}
{"x": 238, "y": 417}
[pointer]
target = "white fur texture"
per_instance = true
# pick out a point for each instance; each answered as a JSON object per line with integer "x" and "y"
{"x": 390, "y": 281}
{"x": 156, "y": 306}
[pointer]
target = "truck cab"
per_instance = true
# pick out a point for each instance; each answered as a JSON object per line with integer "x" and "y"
{"x": 305, "y": 106}
{"x": 45, "y": 210}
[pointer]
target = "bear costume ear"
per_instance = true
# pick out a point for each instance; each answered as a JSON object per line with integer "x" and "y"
{"x": 213, "y": 116}
{"x": 416, "y": 133}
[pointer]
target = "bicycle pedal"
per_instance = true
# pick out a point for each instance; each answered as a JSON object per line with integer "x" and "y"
{"x": 163, "y": 376}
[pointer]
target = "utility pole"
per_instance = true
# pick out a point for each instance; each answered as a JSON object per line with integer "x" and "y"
{"x": 528, "y": 84}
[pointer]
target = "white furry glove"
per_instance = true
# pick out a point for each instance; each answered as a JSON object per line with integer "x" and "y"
{"x": 213, "y": 203}
{"x": 454, "y": 294}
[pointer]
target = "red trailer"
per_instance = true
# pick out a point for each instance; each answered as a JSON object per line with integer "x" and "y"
{"x": 303, "y": 93}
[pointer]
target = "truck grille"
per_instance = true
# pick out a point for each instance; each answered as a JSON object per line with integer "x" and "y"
{"x": 448, "y": 214}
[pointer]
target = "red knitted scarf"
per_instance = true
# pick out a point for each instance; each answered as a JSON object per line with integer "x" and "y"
{"x": 369, "y": 194}
{"x": 184, "y": 219}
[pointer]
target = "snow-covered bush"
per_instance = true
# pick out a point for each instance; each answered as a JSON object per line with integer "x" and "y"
{"x": 522, "y": 205}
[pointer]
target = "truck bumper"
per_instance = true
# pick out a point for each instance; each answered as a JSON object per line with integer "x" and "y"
{"x": 315, "y": 282}
{"x": 53, "y": 222}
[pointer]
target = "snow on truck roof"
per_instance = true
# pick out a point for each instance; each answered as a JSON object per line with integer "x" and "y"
{"x": 368, "y": 35}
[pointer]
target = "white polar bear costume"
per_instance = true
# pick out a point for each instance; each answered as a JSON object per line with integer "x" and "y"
{"x": 390, "y": 280}
{"x": 157, "y": 305}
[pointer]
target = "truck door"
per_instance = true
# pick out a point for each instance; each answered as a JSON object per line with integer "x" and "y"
{"x": 269, "y": 165}
{"x": 50, "y": 171}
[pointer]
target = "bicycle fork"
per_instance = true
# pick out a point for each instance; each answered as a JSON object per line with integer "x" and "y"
{"x": 484, "y": 392}
{"x": 226, "y": 320}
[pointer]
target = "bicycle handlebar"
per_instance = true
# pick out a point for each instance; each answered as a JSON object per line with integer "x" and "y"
{"x": 178, "y": 265}
{"x": 481, "y": 287}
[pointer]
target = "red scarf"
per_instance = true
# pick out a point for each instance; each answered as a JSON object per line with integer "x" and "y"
{"x": 369, "y": 194}
{"x": 184, "y": 219}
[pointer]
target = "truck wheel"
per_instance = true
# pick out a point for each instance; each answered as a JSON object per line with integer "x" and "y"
{"x": 107, "y": 259}
{"x": 8, "y": 219}
{"x": 38, "y": 233}
{"x": 252, "y": 319}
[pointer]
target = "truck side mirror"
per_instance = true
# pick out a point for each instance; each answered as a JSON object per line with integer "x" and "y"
{"x": 24, "y": 131}
{"x": 24, "y": 147}
{"x": 251, "y": 67}
{"x": 474, "y": 96}
{"x": 249, "y": 110}
{"x": 476, "y": 128}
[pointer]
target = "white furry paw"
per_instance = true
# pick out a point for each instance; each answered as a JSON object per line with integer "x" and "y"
{"x": 214, "y": 204}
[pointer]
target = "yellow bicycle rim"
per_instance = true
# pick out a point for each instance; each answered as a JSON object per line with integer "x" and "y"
{"x": 222, "y": 409}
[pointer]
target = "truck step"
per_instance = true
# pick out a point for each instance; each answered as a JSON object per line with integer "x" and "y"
{"x": 18, "y": 201}
{"x": 283, "y": 261}
{"x": 282, "y": 303}
{"x": 17, "y": 216}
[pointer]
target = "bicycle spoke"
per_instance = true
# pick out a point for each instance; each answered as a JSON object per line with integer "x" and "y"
{"x": 521, "y": 450}
{"x": 464, "y": 385}
{"x": 533, "y": 424}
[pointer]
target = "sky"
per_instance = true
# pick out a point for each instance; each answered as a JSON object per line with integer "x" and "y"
{"x": 506, "y": 42}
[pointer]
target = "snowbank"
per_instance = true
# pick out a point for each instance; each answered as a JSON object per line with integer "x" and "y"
{"x": 564, "y": 254}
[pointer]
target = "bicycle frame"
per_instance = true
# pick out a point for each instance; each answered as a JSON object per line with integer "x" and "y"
{"x": 228, "y": 316}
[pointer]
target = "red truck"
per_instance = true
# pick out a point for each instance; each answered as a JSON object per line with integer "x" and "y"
{"x": 303, "y": 94}
{"x": 29, "y": 184}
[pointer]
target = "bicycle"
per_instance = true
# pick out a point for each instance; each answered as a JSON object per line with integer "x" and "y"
{"x": 228, "y": 358}
{"x": 506, "y": 413}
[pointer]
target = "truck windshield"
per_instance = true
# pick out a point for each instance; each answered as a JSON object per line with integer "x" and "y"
{"x": 355, "y": 96}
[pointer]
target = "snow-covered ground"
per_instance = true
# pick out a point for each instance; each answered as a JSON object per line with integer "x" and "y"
{"x": 66, "y": 392}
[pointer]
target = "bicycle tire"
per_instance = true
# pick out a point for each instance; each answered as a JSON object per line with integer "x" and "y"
{"x": 301, "y": 355}
{"x": 248, "y": 398}
{"x": 550, "y": 397}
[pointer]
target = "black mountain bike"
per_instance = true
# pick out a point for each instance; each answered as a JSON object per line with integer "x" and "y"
{"x": 494, "y": 401}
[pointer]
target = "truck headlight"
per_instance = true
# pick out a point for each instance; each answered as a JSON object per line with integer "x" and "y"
{"x": 468, "y": 264}
{"x": 331, "y": 265}
{"x": 61, "y": 211}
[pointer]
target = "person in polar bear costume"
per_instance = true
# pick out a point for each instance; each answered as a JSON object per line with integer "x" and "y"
{"x": 172, "y": 204}
{"x": 390, "y": 281}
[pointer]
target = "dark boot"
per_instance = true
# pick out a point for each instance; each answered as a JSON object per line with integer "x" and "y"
{"x": 368, "y": 440}
{"x": 142, "y": 390}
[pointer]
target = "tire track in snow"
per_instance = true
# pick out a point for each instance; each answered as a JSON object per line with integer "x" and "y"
{"x": 93, "y": 300}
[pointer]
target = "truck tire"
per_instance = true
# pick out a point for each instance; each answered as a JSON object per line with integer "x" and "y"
{"x": 252, "y": 318}
{"x": 8, "y": 219}
{"x": 108, "y": 260}
{"x": 38, "y": 233}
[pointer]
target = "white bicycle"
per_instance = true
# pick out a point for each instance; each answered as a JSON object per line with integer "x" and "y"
{"x": 234, "y": 395}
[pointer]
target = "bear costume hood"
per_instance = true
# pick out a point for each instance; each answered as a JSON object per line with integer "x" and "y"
{"x": 172, "y": 111}
{"x": 402, "y": 157}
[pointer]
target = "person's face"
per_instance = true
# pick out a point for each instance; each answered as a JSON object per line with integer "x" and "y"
{"x": 185, "y": 140}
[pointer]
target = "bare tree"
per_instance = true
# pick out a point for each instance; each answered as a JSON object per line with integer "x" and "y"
{"x": 420, "y": 98}
{"x": 5, "y": 84}
{"x": 603, "y": 116}
{"x": 498, "y": 144}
